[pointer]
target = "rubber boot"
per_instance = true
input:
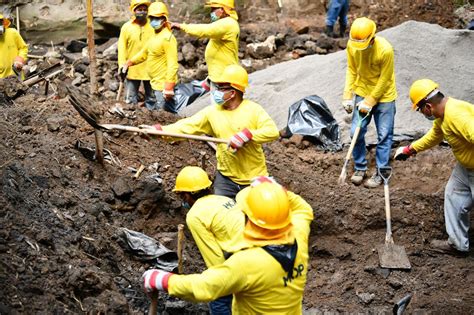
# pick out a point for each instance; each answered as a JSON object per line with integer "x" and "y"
{"x": 342, "y": 30}
{"x": 329, "y": 31}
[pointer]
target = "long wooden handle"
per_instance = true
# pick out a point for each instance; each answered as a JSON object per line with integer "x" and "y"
{"x": 180, "y": 247}
{"x": 388, "y": 215}
{"x": 154, "y": 303}
{"x": 151, "y": 131}
{"x": 119, "y": 92}
{"x": 353, "y": 142}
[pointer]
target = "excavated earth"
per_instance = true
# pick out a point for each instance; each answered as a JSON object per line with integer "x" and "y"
{"x": 61, "y": 214}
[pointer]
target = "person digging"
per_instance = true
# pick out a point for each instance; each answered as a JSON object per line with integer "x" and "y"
{"x": 216, "y": 223}
{"x": 268, "y": 274}
{"x": 244, "y": 122}
{"x": 370, "y": 88}
{"x": 454, "y": 122}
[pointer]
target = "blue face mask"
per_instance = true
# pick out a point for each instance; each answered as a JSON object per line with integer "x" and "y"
{"x": 185, "y": 205}
{"x": 214, "y": 17}
{"x": 156, "y": 23}
{"x": 218, "y": 97}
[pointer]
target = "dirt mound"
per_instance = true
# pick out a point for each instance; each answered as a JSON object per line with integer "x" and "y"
{"x": 421, "y": 50}
{"x": 60, "y": 214}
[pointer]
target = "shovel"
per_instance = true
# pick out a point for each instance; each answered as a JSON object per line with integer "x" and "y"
{"x": 342, "y": 177}
{"x": 391, "y": 256}
{"x": 78, "y": 103}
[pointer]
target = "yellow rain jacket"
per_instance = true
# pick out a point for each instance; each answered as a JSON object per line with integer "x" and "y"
{"x": 259, "y": 283}
{"x": 249, "y": 161}
{"x": 161, "y": 55}
{"x": 370, "y": 73}
{"x": 457, "y": 128}
{"x": 223, "y": 46}
{"x": 133, "y": 38}
{"x": 217, "y": 225}
{"x": 11, "y": 45}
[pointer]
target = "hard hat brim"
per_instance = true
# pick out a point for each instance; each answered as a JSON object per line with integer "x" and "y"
{"x": 359, "y": 45}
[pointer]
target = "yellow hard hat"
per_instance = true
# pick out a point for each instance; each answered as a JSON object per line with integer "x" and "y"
{"x": 266, "y": 205}
{"x": 220, "y": 4}
{"x": 192, "y": 179}
{"x": 236, "y": 75}
{"x": 6, "y": 22}
{"x": 362, "y": 32}
{"x": 158, "y": 9}
{"x": 135, "y": 3}
{"x": 420, "y": 89}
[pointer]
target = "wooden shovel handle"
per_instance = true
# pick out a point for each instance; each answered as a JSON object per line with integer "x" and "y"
{"x": 154, "y": 304}
{"x": 151, "y": 131}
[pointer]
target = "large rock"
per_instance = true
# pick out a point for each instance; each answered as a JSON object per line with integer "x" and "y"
{"x": 422, "y": 50}
{"x": 262, "y": 50}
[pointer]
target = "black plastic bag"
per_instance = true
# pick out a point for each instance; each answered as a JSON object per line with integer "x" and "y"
{"x": 146, "y": 248}
{"x": 312, "y": 118}
{"x": 185, "y": 94}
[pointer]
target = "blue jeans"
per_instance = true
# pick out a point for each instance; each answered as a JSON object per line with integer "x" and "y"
{"x": 160, "y": 102}
{"x": 337, "y": 8}
{"x": 458, "y": 203}
{"x": 384, "y": 117}
{"x": 131, "y": 92}
{"x": 221, "y": 306}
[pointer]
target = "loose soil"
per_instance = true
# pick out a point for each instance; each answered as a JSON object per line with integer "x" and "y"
{"x": 61, "y": 214}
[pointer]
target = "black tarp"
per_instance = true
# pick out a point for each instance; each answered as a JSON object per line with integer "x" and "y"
{"x": 312, "y": 118}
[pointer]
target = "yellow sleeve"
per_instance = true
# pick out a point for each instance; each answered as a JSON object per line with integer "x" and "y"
{"x": 350, "y": 76}
{"x": 197, "y": 124}
{"x": 205, "y": 240}
{"x": 430, "y": 139}
{"x": 171, "y": 51}
{"x": 464, "y": 126}
{"x": 215, "y": 30}
{"x": 384, "y": 79}
{"x": 217, "y": 281}
{"x": 267, "y": 130}
{"x": 301, "y": 211}
{"x": 122, "y": 46}
{"x": 22, "y": 47}
{"x": 140, "y": 56}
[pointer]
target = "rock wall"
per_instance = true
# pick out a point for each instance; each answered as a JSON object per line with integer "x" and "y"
{"x": 46, "y": 21}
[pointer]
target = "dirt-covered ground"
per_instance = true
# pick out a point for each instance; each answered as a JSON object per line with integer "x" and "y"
{"x": 61, "y": 214}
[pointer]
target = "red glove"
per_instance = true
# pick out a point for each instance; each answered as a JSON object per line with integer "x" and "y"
{"x": 155, "y": 279}
{"x": 240, "y": 138}
{"x": 404, "y": 153}
{"x": 158, "y": 127}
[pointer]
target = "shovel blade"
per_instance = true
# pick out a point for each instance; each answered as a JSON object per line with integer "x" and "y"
{"x": 393, "y": 256}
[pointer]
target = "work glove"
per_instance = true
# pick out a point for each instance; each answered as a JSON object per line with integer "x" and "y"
{"x": 363, "y": 107}
{"x": 168, "y": 92}
{"x": 175, "y": 25}
{"x": 18, "y": 63}
{"x": 123, "y": 70}
{"x": 239, "y": 139}
{"x": 348, "y": 105}
{"x": 404, "y": 153}
{"x": 155, "y": 279}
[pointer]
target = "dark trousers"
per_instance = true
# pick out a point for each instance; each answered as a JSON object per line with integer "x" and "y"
{"x": 224, "y": 186}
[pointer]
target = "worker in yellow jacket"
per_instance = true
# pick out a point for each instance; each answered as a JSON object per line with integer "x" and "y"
{"x": 216, "y": 223}
{"x": 13, "y": 50}
{"x": 268, "y": 275}
{"x": 160, "y": 54}
{"x": 244, "y": 122}
{"x": 134, "y": 34}
{"x": 453, "y": 122}
{"x": 370, "y": 88}
{"x": 223, "y": 33}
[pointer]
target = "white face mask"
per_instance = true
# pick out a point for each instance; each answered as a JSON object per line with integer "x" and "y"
{"x": 2, "y": 29}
